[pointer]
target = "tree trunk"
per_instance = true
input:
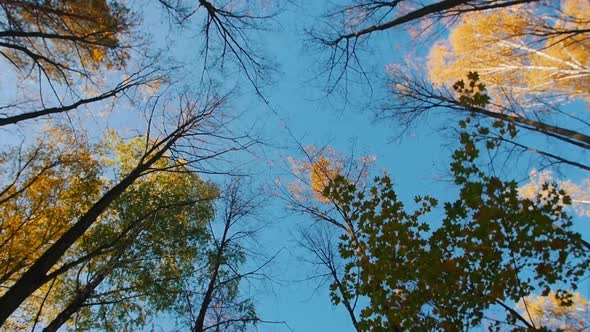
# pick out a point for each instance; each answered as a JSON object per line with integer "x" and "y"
{"x": 35, "y": 276}
{"x": 200, "y": 321}
{"x": 79, "y": 299}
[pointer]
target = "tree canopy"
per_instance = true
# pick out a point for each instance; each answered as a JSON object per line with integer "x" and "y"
{"x": 164, "y": 163}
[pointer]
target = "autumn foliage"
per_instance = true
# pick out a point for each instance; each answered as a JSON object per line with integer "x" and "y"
{"x": 132, "y": 188}
{"x": 522, "y": 51}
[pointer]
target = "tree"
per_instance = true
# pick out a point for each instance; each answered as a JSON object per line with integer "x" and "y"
{"x": 415, "y": 97}
{"x": 214, "y": 299}
{"x": 316, "y": 171}
{"x": 154, "y": 232}
{"x": 65, "y": 45}
{"x": 523, "y": 63}
{"x": 320, "y": 241}
{"x": 154, "y": 246}
{"x": 548, "y": 311}
{"x": 46, "y": 188}
{"x": 161, "y": 216}
{"x": 525, "y": 52}
{"x": 350, "y": 27}
{"x": 62, "y": 38}
{"x": 71, "y": 44}
{"x": 193, "y": 119}
{"x": 493, "y": 246}
{"x": 476, "y": 240}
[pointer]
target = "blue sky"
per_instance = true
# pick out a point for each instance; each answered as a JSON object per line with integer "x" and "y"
{"x": 302, "y": 113}
{"x": 417, "y": 163}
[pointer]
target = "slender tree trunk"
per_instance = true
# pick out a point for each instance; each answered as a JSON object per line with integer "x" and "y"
{"x": 35, "y": 276}
{"x": 345, "y": 301}
{"x": 81, "y": 297}
{"x": 208, "y": 297}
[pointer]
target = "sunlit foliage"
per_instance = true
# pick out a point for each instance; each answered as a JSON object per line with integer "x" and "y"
{"x": 150, "y": 236}
{"x": 44, "y": 189}
{"x": 579, "y": 193}
{"x": 549, "y": 312}
{"x": 320, "y": 167}
{"x": 64, "y": 37}
{"x": 523, "y": 51}
{"x": 166, "y": 215}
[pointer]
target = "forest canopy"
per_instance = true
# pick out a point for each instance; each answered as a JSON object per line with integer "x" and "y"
{"x": 221, "y": 165}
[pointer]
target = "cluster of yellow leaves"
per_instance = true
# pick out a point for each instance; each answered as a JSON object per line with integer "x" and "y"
{"x": 99, "y": 25}
{"x": 579, "y": 193}
{"x": 91, "y": 30}
{"x": 314, "y": 173}
{"x": 505, "y": 47}
{"x": 54, "y": 190}
{"x": 320, "y": 168}
{"x": 322, "y": 172}
{"x": 64, "y": 177}
{"x": 61, "y": 181}
{"x": 547, "y": 311}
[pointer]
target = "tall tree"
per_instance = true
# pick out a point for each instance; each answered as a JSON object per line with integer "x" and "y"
{"x": 415, "y": 97}
{"x": 46, "y": 188}
{"x": 66, "y": 46}
{"x": 531, "y": 57}
{"x": 154, "y": 233}
{"x": 526, "y": 52}
{"x": 70, "y": 43}
{"x": 193, "y": 119}
{"x": 349, "y": 27}
{"x": 491, "y": 247}
{"x": 217, "y": 297}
